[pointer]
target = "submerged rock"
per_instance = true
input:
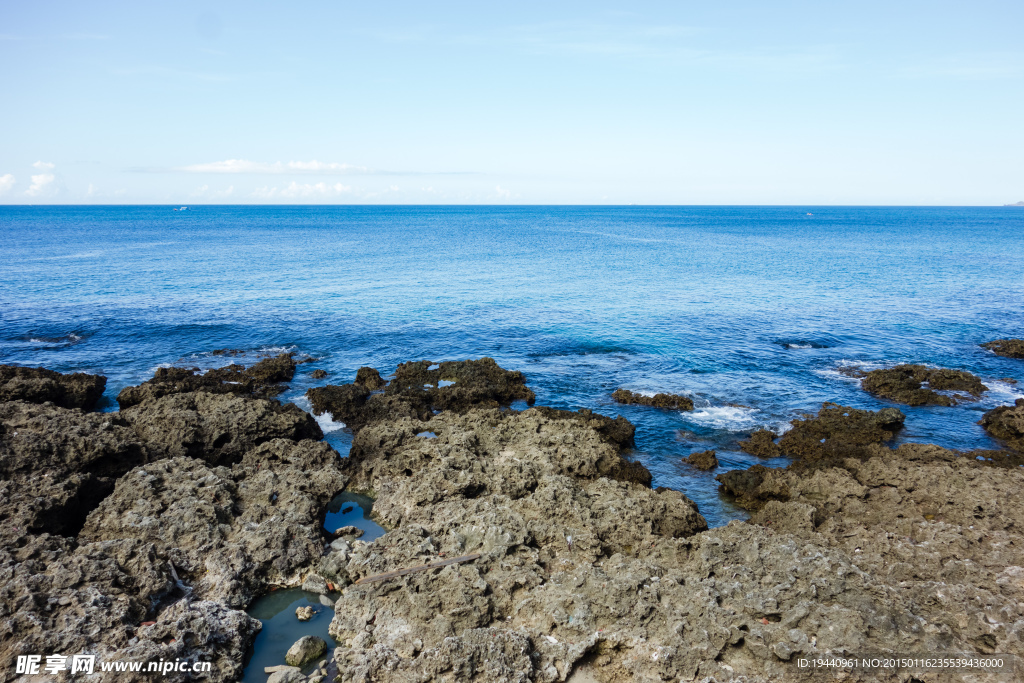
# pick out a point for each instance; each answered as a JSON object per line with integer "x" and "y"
{"x": 1010, "y": 348}
{"x": 670, "y": 401}
{"x": 904, "y": 384}
{"x": 39, "y": 385}
{"x": 261, "y": 380}
{"x": 318, "y": 374}
{"x": 304, "y": 613}
{"x": 704, "y": 460}
{"x": 305, "y": 650}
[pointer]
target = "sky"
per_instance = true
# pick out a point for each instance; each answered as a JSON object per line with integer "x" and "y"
{"x": 512, "y": 103}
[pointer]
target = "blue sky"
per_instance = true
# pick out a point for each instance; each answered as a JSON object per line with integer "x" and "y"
{"x": 580, "y": 103}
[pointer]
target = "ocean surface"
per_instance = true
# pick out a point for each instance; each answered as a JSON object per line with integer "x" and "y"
{"x": 749, "y": 310}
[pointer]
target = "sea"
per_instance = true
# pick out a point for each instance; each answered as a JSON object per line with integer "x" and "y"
{"x": 751, "y": 311}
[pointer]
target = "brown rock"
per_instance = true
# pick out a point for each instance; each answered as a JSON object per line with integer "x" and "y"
{"x": 704, "y": 460}
{"x": 1010, "y": 348}
{"x": 39, "y": 385}
{"x": 762, "y": 444}
{"x": 670, "y": 401}
{"x": 904, "y": 384}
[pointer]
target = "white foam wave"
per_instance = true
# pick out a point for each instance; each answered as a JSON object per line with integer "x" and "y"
{"x": 733, "y": 418}
{"x": 800, "y": 346}
{"x": 327, "y": 423}
{"x": 1001, "y": 393}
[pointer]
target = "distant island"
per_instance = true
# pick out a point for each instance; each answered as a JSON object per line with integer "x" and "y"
{"x": 1017, "y": 204}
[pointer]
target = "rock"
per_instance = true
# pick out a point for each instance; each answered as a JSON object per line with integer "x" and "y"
{"x": 318, "y": 374}
{"x": 279, "y": 667}
{"x": 349, "y": 531}
{"x": 315, "y": 583}
{"x": 217, "y": 428}
{"x": 904, "y": 384}
{"x": 326, "y": 601}
{"x": 262, "y": 380}
{"x": 1010, "y": 348}
{"x": 670, "y": 401}
{"x": 39, "y": 385}
{"x": 762, "y": 444}
{"x": 370, "y": 378}
{"x": 231, "y": 532}
{"x": 304, "y": 650}
{"x": 417, "y": 391}
{"x": 1007, "y": 424}
{"x": 839, "y": 432}
{"x": 304, "y": 613}
{"x": 289, "y": 675}
{"x": 704, "y": 460}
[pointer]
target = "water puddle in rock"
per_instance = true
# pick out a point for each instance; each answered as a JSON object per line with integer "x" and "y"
{"x": 352, "y": 509}
{"x": 281, "y": 628}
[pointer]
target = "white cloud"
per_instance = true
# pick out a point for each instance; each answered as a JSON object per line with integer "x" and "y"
{"x": 44, "y": 165}
{"x": 41, "y": 185}
{"x": 205, "y": 192}
{"x": 504, "y": 194}
{"x": 6, "y": 183}
{"x": 288, "y": 168}
{"x": 295, "y": 190}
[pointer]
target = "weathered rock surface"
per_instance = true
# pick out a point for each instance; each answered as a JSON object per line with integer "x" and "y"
{"x": 1010, "y": 348}
{"x": 217, "y": 428}
{"x": 39, "y": 385}
{"x": 261, "y": 380}
{"x": 230, "y": 532}
{"x": 762, "y": 444}
{"x": 670, "y": 401}
{"x": 905, "y": 384}
{"x": 1007, "y": 424}
{"x": 304, "y": 650}
{"x": 420, "y": 388}
{"x": 703, "y": 460}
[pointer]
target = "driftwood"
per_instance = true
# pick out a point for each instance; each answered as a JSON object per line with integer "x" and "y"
{"x": 418, "y": 568}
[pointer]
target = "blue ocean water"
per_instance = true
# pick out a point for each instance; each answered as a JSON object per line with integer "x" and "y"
{"x": 736, "y": 306}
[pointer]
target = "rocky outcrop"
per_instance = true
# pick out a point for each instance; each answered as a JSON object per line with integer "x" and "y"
{"x": 762, "y": 444}
{"x": 39, "y": 385}
{"x": 231, "y": 533}
{"x": 905, "y": 384}
{"x": 1006, "y": 423}
{"x": 669, "y": 401}
{"x": 261, "y": 380}
{"x": 304, "y": 650}
{"x": 704, "y": 460}
{"x": 418, "y": 389}
{"x": 1009, "y": 348}
{"x": 217, "y": 428}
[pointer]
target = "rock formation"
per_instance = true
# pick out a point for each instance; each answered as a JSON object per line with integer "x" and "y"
{"x": 39, "y": 385}
{"x": 905, "y": 384}
{"x": 1010, "y": 348}
{"x": 704, "y": 460}
{"x": 670, "y": 401}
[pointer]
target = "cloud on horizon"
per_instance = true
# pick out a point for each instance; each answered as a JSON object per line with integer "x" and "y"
{"x": 6, "y": 183}
{"x": 42, "y": 185}
{"x": 307, "y": 190}
{"x": 44, "y": 165}
{"x": 314, "y": 167}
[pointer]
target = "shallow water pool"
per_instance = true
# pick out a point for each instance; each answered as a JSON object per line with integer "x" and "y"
{"x": 281, "y": 628}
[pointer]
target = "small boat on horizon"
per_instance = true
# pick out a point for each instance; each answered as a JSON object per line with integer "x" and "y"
{"x": 184, "y": 208}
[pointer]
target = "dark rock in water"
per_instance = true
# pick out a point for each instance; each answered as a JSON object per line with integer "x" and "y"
{"x": 671, "y": 401}
{"x": 369, "y": 378}
{"x": 217, "y": 428}
{"x": 261, "y": 380}
{"x": 762, "y": 444}
{"x": 417, "y": 391}
{"x": 839, "y": 432}
{"x": 748, "y": 486}
{"x": 1010, "y": 348}
{"x": 903, "y": 384}
{"x": 618, "y": 430}
{"x": 1007, "y": 424}
{"x": 318, "y": 374}
{"x": 39, "y": 385}
{"x": 704, "y": 460}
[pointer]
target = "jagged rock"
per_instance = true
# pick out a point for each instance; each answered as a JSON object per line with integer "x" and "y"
{"x": 670, "y": 401}
{"x": 39, "y": 385}
{"x": 287, "y": 675}
{"x": 762, "y": 444}
{"x": 262, "y": 380}
{"x": 217, "y": 428}
{"x": 416, "y": 391}
{"x": 1007, "y": 424}
{"x": 839, "y": 432}
{"x": 304, "y": 612}
{"x": 704, "y": 460}
{"x": 318, "y": 374}
{"x": 351, "y": 532}
{"x": 1010, "y": 348}
{"x": 231, "y": 532}
{"x": 369, "y": 378}
{"x": 57, "y": 464}
{"x": 904, "y": 384}
{"x": 304, "y": 650}
{"x": 315, "y": 583}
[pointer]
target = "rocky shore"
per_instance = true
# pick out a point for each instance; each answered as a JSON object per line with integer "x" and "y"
{"x": 144, "y": 534}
